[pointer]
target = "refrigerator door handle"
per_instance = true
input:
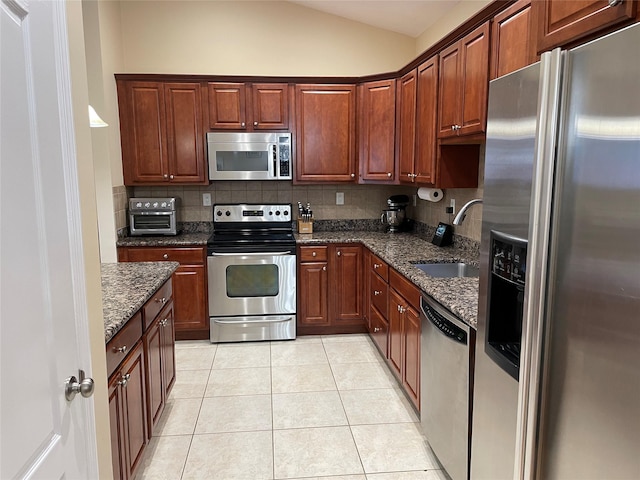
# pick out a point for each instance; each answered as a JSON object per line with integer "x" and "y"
{"x": 549, "y": 99}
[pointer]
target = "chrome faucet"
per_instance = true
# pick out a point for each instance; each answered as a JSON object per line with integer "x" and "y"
{"x": 463, "y": 211}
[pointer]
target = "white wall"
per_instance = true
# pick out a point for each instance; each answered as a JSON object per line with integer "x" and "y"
{"x": 254, "y": 38}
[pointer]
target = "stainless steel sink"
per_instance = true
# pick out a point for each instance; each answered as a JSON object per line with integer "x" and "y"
{"x": 448, "y": 270}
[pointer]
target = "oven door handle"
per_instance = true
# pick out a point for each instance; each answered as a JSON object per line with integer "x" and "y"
{"x": 258, "y": 320}
{"x": 254, "y": 254}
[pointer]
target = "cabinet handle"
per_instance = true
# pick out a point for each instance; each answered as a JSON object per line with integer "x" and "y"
{"x": 171, "y": 177}
{"x": 255, "y": 124}
{"x": 377, "y": 292}
{"x": 242, "y": 125}
{"x": 389, "y": 174}
{"x": 614, "y": 3}
{"x": 124, "y": 380}
{"x": 377, "y": 265}
{"x": 401, "y": 309}
{"x": 164, "y": 322}
{"x": 165, "y": 256}
{"x": 166, "y": 176}
{"x": 376, "y": 329}
{"x": 314, "y": 254}
{"x": 122, "y": 349}
{"x": 339, "y": 253}
{"x": 162, "y": 300}
{"x": 324, "y": 269}
{"x": 353, "y": 175}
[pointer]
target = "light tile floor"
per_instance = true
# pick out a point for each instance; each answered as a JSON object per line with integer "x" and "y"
{"x": 324, "y": 407}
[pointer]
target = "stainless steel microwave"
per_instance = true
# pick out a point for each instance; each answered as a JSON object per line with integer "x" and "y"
{"x": 249, "y": 156}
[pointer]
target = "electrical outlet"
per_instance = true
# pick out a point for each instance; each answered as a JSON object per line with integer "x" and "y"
{"x": 206, "y": 199}
{"x": 339, "y": 198}
{"x": 452, "y": 204}
{"x": 449, "y": 210}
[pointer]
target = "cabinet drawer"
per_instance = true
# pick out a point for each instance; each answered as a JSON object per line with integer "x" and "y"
{"x": 156, "y": 303}
{"x": 380, "y": 295}
{"x": 123, "y": 342}
{"x": 379, "y": 266}
{"x": 404, "y": 287}
{"x": 186, "y": 255}
{"x": 313, "y": 254}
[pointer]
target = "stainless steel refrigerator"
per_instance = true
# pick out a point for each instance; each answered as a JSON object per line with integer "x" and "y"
{"x": 557, "y": 374}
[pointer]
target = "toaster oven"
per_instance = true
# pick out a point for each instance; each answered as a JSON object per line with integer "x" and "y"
{"x": 153, "y": 216}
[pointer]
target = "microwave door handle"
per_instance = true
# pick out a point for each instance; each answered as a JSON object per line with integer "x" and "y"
{"x": 273, "y": 154}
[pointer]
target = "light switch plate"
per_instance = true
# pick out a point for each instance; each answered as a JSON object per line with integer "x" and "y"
{"x": 453, "y": 205}
{"x": 339, "y": 198}
{"x": 206, "y": 199}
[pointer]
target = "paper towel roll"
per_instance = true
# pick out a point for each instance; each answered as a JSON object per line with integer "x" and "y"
{"x": 430, "y": 194}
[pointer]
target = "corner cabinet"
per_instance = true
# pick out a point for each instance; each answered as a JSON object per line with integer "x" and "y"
{"x": 162, "y": 135}
{"x": 560, "y": 22}
{"x": 330, "y": 289}
{"x": 190, "y": 298}
{"x": 376, "y": 127}
{"x": 463, "y": 85}
{"x": 325, "y": 133}
{"x": 248, "y": 106}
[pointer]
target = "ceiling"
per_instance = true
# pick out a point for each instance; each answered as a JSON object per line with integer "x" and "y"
{"x": 409, "y": 17}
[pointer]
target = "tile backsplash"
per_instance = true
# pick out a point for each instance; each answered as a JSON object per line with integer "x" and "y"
{"x": 360, "y": 201}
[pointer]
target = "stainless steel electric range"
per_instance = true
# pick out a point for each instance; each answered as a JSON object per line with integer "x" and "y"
{"x": 252, "y": 273}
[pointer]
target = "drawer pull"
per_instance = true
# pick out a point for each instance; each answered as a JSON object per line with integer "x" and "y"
{"x": 377, "y": 292}
{"x": 401, "y": 309}
{"x": 124, "y": 380}
{"x": 122, "y": 349}
{"x": 164, "y": 322}
{"x": 165, "y": 256}
{"x": 162, "y": 300}
{"x": 324, "y": 269}
{"x": 314, "y": 254}
{"x": 377, "y": 265}
{"x": 376, "y": 329}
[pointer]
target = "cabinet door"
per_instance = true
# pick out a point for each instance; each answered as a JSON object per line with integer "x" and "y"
{"x": 379, "y": 330}
{"x": 190, "y": 298}
{"x": 135, "y": 405}
{"x": 168, "y": 346}
{"x": 142, "y": 132}
{"x": 411, "y": 360}
{"x": 227, "y": 106}
{"x": 270, "y": 106}
{"x": 347, "y": 279}
{"x": 377, "y": 130}
{"x": 513, "y": 45}
{"x": 426, "y": 121}
{"x": 325, "y": 133}
{"x": 449, "y": 92}
{"x": 560, "y": 22}
{"x": 396, "y": 302}
{"x": 313, "y": 299}
{"x": 407, "y": 94}
{"x": 185, "y": 136}
{"x": 153, "y": 363}
{"x": 117, "y": 418}
{"x": 474, "y": 59}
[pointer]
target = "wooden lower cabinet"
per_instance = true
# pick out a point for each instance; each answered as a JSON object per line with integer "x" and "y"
{"x": 141, "y": 368}
{"x": 128, "y": 410}
{"x": 190, "y": 299}
{"x": 330, "y": 289}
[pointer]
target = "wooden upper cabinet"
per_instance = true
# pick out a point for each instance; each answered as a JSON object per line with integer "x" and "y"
{"x": 513, "y": 44}
{"x": 463, "y": 85}
{"x": 240, "y": 106}
{"x": 227, "y": 106}
{"x": 162, "y": 133}
{"x": 426, "y": 122}
{"x": 406, "y": 136}
{"x": 560, "y": 22}
{"x": 325, "y": 133}
{"x": 377, "y": 126}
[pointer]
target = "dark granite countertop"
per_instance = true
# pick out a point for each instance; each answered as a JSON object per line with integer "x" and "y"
{"x": 180, "y": 240}
{"x": 459, "y": 295}
{"x": 126, "y": 287}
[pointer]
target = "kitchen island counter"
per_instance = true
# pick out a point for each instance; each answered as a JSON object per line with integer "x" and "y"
{"x": 401, "y": 251}
{"x": 126, "y": 287}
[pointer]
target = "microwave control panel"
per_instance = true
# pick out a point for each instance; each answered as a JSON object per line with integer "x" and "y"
{"x": 284, "y": 149}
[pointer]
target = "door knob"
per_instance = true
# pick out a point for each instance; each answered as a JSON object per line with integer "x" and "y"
{"x": 84, "y": 387}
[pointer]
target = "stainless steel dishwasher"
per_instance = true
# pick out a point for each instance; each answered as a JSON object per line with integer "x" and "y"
{"x": 446, "y": 386}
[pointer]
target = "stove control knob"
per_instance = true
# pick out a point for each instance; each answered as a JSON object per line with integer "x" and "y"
{"x": 155, "y": 204}
{"x": 219, "y": 213}
{"x": 147, "y": 204}
{"x": 227, "y": 213}
{"x": 138, "y": 204}
{"x": 277, "y": 212}
{"x": 163, "y": 204}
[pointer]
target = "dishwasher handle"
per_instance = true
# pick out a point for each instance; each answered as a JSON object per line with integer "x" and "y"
{"x": 444, "y": 325}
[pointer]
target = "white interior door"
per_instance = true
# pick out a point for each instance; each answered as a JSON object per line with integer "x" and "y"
{"x": 43, "y": 313}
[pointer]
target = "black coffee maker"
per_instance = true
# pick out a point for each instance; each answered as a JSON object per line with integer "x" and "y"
{"x": 395, "y": 216}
